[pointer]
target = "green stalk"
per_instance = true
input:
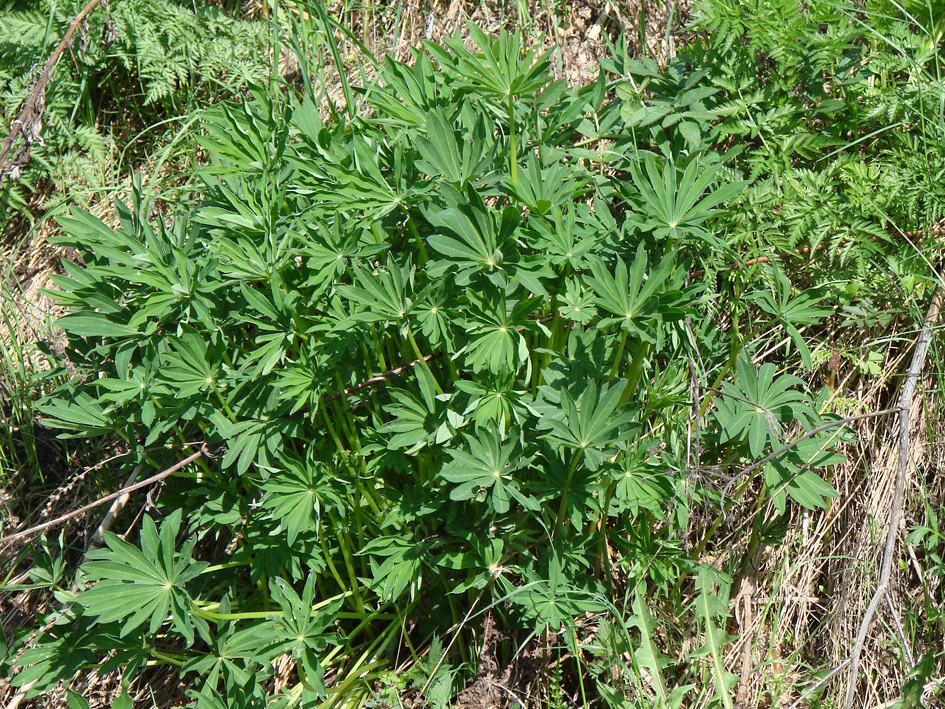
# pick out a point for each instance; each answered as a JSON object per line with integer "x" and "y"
{"x": 580, "y": 673}
{"x": 346, "y": 424}
{"x": 163, "y": 657}
{"x": 356, "y": 673}
{"x": 623, "y": 343}
{"x": 513, "y": 144}
{"x": 557, "y": 327}
{"x": 368, "y": 496}
{"x": 420, "y": 358}
{"x": 424, "y": 256}
{"x": 451, "y": 365}
{"x": 371, "y": 617}
{"x": 635, "y": 373}
{"x": 563, "y": 505}
{"x": 351, "y": 594}
{"x": 332, "y": 432}
{"x": 365, "y": 676}
{"x": 349, "y": 567}
{"x": 222, "y": 401}
{"x": 378, "y": 349}
{"x": 212, "y": 615}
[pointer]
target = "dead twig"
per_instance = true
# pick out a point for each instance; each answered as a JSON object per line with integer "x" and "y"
{"x": 4, "y": 541}
{"x": 29, "y": 123}
{"x": 800, "y": 439}
{"x": 895, "y": 512}
{"x": 380, "y": 378}
{"x": 98, "y": 538}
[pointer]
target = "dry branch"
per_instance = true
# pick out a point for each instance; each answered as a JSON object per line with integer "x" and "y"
{"x": 800, "y": 439}
{"x": 108, "y": 498}
{"x": 895, "y": 513}
{"x": 98, "y": 537}
{"x": 30, "y": 121}
{"x": 380, "y": 378}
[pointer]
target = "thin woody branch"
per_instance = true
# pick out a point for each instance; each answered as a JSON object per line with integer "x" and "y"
{"x": 28, "y": 125}
{"x": 895, "y": 512}
{"x": 26, "y": 533}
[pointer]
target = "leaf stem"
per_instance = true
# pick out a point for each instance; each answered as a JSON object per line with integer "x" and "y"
{"x": 422, "y": 360}
{"x": 563, "y": 505}
{"x": 623, "y": 343}
{"x": 513, "y": 144}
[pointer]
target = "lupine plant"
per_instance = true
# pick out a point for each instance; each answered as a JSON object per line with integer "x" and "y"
{"x": 467, "y": 351}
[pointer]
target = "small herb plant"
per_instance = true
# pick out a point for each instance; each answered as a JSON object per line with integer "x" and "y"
{"x": 475, "y": 347}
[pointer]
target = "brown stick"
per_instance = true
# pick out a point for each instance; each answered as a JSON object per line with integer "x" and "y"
{"x": 762, "y": 259}
{"x": 108, "y": 498}
{"x": 800, "y": 439}
{"x": 380, "y": 378}
{"x": 28, "y": 123}
{"x": 895, "y": 512}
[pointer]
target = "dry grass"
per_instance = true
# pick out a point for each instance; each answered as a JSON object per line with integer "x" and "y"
{"x": 801, "y": 601}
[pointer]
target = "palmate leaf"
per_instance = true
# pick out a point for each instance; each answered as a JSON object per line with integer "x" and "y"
{"x": 641, "y": 482}
{"x": 385, "y": 292}
{"x": 235, "y": 655}
{"x": 369, "y": 188}
{"x": 497, "y": 324}
{"x": 787, "y": 475}
{"x": 273, "y": 314}
{"x": 674, "y": 207}
{"x": 330, "y": 251}
{"x": 408, "y": 92}
{"x": 501, "y": 69}
{"x": 577, "y": 304}
{"x": 138, "y": 586}
{"x": 804, "y": 309}
{"x": 296, "y": 494}
{"x": 543, "y": 188}
{"x": 434, "y": 314}
{"x": 453, "y": 158}
{"x": 301, "y": 630}
{"x": 482, "y": 557}
{"x": 65, "y": 648}
{"x": 632, "y": 296}
{"x": 419, "y": 421}
{"x": 564, "y": 239}
{"x": 552, "y": 599}
{"x": 761, "y": 405}
{"x": 470, "y": 235}
{"x": 79, "y": 413}
{"x": 495, "y": 403}
{"x": 487, "y": 465}
{"x": 190, "y": 368}
{"x": 402, "y": 558}
{"x": 301, "y": 382}
{"x": 590, "y": 423}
